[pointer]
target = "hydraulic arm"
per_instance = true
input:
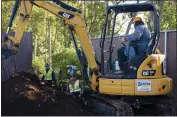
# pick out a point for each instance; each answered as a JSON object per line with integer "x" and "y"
{"x": 72, "y": 17}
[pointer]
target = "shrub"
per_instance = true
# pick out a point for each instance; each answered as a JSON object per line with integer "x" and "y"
{"x": 66, "y": 57}
{"x": 38, "y": 65}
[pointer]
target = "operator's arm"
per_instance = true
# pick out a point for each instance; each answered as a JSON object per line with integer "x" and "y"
{"x": 136, "y": 34}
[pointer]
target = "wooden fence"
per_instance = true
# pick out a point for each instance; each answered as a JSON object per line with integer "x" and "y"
{"x": 22, "y": 61}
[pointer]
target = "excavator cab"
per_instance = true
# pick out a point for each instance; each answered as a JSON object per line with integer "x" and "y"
{"x": 140, "y": 69}
{"x": 143, "y": 82}
{"x": 134, "y": 58}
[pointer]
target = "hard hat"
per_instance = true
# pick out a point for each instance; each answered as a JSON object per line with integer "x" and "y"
{"x": 137, "y": 19}
{"x": 47, "y": 65}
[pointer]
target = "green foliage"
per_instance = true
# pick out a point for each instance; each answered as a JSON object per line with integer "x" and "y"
{"x": 66, "y": 57}
{"x": 168, "y": 21}
{"x": 38, "y": 63}
{"x": 5, "y": 13}
{"x": 95, "y": 17}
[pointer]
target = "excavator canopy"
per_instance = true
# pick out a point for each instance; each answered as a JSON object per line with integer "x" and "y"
{"x": 132, "y": 7}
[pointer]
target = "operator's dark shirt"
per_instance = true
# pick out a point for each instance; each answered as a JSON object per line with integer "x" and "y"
{"x": 141, "y": 36}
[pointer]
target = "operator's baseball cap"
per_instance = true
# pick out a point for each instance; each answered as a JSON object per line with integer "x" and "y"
{"x": 137, "y": 19}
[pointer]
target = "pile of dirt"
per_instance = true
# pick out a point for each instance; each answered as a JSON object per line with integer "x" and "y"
{"x": 23, "y": 95}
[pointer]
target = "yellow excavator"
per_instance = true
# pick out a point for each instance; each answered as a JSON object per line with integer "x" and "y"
{"x": 142, "y": 83}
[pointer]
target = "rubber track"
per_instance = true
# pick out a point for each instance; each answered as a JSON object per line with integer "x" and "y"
{"x": 119, "y": 108}
{"x": 168, "y": 106}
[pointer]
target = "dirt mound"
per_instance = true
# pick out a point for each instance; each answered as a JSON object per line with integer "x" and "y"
{"x": 23, "y": 95}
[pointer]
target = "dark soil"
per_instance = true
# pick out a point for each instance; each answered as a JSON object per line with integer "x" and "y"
{"x": 23, "y": 95}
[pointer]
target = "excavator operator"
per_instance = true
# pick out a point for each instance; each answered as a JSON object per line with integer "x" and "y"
{"x": 141, "y": 37}
{"x": 49, "y": 76}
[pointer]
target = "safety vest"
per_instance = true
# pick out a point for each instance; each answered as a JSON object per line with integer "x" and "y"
{"x": 48, "y": 75}
{"x": 74, "y": 87}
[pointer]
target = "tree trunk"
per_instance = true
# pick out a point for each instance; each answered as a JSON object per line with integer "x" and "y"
{"x": 56, "y": 36}
{"x": 131, "y": 21}
{"x": 161, "y": 3}
{"x": 109, "y": 22}
{"x": 64, "y": 30}
{"x": 92, "y": 20}
{"x": 149, "y": 22}
{"x": 150, "y": 18}
{"x": 35, "y": 48}
{"x": 49, "y": 42}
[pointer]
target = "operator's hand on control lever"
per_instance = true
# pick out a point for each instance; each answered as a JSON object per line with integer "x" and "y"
{"x": 124, "y": 40}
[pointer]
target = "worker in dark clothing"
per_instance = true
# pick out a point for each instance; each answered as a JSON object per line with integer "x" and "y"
{"x": 141, "y": 36}
{"x": 49, "y": 76}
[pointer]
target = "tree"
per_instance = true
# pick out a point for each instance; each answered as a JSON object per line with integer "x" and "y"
{"x": 167, "y": 13}
{"x": 6, "y": 7}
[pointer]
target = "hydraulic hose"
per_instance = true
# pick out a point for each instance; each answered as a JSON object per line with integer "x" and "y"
{"x": 14, "y": 12}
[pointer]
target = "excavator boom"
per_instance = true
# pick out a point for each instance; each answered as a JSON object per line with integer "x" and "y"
{"x": 70, "y": 15}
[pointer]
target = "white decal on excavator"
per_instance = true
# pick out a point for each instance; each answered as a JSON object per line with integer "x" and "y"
{"x": 66, "y": 15}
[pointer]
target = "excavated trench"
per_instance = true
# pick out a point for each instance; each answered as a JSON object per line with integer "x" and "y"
{"x": 23, "y": 95}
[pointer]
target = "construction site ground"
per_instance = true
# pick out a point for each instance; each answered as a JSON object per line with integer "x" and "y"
{"x": 22, "y": 95}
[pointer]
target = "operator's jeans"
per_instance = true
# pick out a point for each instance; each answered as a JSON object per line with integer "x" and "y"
{"x": 122, "y": 55}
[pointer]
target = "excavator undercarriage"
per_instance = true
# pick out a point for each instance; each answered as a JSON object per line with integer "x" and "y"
{"x": 130, "y": 105}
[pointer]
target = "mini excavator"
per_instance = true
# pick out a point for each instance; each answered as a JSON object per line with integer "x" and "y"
{"x": 143, "y": 83}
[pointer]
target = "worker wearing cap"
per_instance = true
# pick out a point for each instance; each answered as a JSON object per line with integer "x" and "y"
{"x": 74, "y": 86}
{"x": 48, "y": 76}
{"x": 141, "y": 36}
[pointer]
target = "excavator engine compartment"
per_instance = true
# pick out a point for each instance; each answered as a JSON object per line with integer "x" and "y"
{"x": 137, "y": 87}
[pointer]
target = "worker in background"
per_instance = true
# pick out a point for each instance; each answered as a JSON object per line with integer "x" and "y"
{"x": 48, "y": 77}
{"x": 74, "y": 86}
{"x": 141, "y": 36}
